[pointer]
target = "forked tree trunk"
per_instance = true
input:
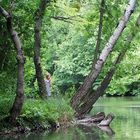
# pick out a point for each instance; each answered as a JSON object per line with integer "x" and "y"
{"x": 37, "y": 45}
{"x": 91, "y": 98}
{"x": 86, "y": 87}
{"x": 17, "y": 106}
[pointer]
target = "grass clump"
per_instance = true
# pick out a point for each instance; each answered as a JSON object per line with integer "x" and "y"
{"x": 52, "y": 110}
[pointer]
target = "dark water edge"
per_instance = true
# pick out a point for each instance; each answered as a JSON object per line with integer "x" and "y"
{"x": 125, "y": 126}
{"x": 24, "y": 127}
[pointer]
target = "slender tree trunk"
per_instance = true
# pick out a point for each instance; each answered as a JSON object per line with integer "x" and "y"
{"x": 91, "y": 98}
{"x": 37, "y": 45}
{"x": 18, "y": 103}
{"x": 95, "y": 71}
{"x": 97, "y": 48}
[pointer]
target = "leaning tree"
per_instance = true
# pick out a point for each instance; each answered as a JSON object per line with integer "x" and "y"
{"x": 85, "y": 97}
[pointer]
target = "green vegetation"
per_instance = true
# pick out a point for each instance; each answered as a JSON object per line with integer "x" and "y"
{"x": 53, "y": 109}
{"x": 38, "y": 112}
{"x": 68, "y": 39}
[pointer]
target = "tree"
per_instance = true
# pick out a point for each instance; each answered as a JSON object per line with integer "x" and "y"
{"x": 86, "y": 88}
{"x": 17, "y": 106}
{"x": 37, "y": 45}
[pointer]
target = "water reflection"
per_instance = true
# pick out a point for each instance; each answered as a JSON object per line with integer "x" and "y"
{"x": 127, "y": 116}
{"x": 94, "y": 132}
{"x": 78, "y": 132}
{"x": 126, "y": 124}
{"x": 108, "y": 131}
{"x": 82, "y": 132}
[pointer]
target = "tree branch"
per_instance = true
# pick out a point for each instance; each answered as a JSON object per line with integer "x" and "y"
{"x": 4, "y": 13}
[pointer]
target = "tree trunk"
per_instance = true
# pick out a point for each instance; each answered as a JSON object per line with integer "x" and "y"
{"x": 86, "y": 87}
{"x": 37, "y": 45}
{"x": 97, "y": 48}
{"x": 91, "y": 119}
{"x": 18, "y": 103}
{"x": 91, "y": 98}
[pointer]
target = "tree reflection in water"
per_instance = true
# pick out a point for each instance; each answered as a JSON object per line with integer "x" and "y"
{"x": 90, "y": 132}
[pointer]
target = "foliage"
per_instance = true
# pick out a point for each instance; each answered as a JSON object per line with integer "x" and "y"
{"x": 73, "y": 65}
{"x": 7, "y": 84}
{"x": 53, "y": 109}
{"x": 69, "y": 34}
{"x": 126, "y": 79}
{"x": 5, "y": 105}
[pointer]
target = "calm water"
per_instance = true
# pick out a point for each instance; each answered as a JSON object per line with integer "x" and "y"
{"x": 125, "y": 126}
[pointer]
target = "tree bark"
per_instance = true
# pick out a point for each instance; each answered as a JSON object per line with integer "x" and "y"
{"x": 107, "y": 120}
{"x": 18, "y": 103}
{"x": 98, "y": 119}
{"x": 86, "y": 87}
{"x": 37, "y": 45}
{"x": 97, "y": 48}
{"x": 92, "y": 119}
{"x": 91, "y": 98}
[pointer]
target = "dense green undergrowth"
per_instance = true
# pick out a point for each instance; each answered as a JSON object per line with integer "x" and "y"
{"x": 53, "y": 108}
{"x": 37, "y": 112}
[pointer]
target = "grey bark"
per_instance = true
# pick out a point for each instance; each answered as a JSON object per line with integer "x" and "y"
{"x": 99, "y": 119}
{"x": 18, "y": 103}
{"x": 107, "y": 120}
{"x": 37, "y": 45}
{"x": 92, "y": 119}
{"x": 92, "y": 97}
{"x": 97, "y": 48}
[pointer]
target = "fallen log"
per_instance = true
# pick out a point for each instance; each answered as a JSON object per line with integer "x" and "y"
{"x": 92, "y": 119}
{"x": 107, "y": 120}
{"x": 98, "y": 119}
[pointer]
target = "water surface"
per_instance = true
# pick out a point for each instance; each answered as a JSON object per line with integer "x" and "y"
{"x": 125, "y": 126}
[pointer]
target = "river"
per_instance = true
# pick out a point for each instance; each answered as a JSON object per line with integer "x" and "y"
{"x": 125, "y": 126}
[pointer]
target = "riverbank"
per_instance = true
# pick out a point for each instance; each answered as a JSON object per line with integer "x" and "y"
{"x": 124, "y": 126}
{"x": 38, "y": 115}
{"x": 23, "y": 126}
